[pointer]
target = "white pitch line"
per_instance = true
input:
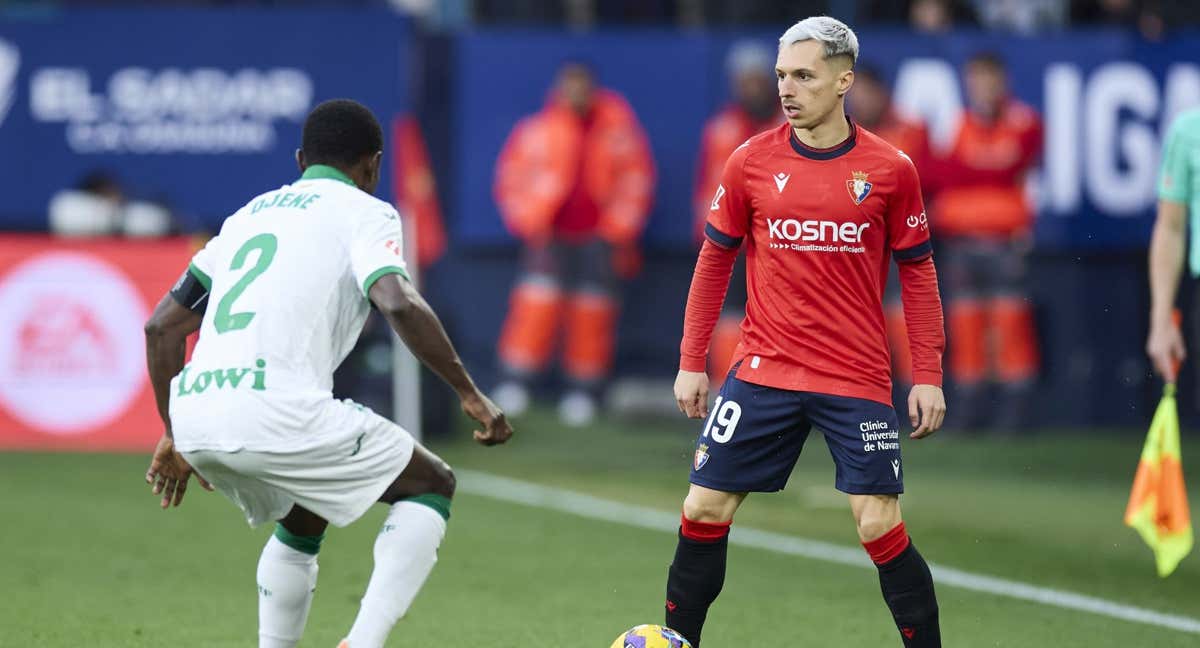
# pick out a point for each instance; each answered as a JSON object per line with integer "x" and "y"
{"x": 588, "y": 506}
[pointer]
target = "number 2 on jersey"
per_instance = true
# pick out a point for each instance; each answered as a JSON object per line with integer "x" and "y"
{"x": 224, "y": 320}
{"x": 723, "y": 420}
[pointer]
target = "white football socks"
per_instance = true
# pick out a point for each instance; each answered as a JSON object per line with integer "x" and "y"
{"x": 286, "y": 579}
{"x": 405, "y": 552}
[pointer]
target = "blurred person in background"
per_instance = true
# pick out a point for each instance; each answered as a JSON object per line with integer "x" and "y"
{"x": 871, "y": 107}
{"x": 98, "y": 206}
{"x": 754, "y": 109}
{"x": 985, "y": 220}
{"x": 574, "y": 183}
{"x": 1021, "y": 16}
{"x": 1150, "y": 17}
{"x": 757, "y": 12}
{"x": 1178, "y": 192}
{"x": 938, "y": 16}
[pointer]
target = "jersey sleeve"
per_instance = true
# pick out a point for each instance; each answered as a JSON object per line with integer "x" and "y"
{"x": 377, "y": 247}
{"x": 1175, "y": 182}
{"x": 729, "y": 212}
{"x": 908, "y": 227}
{"x": 201, "y": 266}
{"x": 710, "y": 282}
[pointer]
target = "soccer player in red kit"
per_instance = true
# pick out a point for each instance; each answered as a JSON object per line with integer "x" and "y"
{"x": 822, "y": 206}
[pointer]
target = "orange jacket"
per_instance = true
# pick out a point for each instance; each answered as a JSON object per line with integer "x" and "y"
{"x": 724, "y": 132}
{"x": 981, "y": 184}
{"x": 541, "y": 164}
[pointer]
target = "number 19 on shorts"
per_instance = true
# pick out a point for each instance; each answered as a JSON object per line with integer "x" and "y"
{"x": 722, "y": 421}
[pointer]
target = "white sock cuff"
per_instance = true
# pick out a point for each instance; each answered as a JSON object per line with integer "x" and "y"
{"x": 276, "y": 550}
{"x": 413, "y": 510}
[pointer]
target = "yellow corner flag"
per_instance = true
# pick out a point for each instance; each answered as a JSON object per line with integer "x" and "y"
{"x": 1158, "y": 506}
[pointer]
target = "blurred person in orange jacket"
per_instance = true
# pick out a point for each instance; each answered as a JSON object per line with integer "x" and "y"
{"x": 754, "y": 109}
{"x": 871, "y": 107}
{"x": 985, "y": 221}
{"x": 575, "y": 183}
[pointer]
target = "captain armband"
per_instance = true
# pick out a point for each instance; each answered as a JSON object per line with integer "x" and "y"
{"x": 190, "y": 293}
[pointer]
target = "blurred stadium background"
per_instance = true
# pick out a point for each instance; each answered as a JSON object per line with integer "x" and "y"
{"x": 130, "y": 130}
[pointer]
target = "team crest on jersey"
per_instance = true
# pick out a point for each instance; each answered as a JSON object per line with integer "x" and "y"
{"x": 701, "y": 456}
{"x": 859, "y": 187}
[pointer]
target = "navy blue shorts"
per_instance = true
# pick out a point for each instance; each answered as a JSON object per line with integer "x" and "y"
{"x": 754, "y": 435}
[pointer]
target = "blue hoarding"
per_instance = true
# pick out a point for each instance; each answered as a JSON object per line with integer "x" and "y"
{"x": 200, "y": 108}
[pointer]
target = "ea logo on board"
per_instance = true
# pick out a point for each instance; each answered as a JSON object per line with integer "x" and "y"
{"x": 71, "y": 349}
{"x": 10, "y": 62}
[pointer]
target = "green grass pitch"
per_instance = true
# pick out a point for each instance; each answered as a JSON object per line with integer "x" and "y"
{"x": 87, "y": 559}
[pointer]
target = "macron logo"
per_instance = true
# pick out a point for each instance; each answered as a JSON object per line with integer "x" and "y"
{"x": 781, "y": 180}
{"x": 10, "y": 61}
{"x": 896, "y": 467}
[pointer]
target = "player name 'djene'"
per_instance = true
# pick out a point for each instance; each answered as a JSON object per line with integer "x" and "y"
{"x": 222, "y": 377}
{"x": 288, "y": 200}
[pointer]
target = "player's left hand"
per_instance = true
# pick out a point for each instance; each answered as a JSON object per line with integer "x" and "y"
{"x": 169, "y": 473}
{"x": 926, "y": 410}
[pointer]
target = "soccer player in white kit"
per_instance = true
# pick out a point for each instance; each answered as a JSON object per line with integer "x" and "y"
{"x": 280, "y": 296}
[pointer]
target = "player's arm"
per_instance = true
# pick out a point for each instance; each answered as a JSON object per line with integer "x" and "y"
{"x": 728, "y": 224}
{"x": 927, "y": 339}
{"x": 909, "y": 236}
{"x": 710, "y": 282}
{"x": 1165, "y": 343}
{"x": 415, "y": 322}
{"x": 177, "y": 316}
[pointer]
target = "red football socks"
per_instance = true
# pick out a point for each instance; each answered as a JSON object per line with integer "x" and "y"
{"x": 885, "y": 548}
{"x": 703, "y": 531}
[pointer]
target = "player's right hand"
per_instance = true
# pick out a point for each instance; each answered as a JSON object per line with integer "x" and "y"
{"x": 1166, "y": 349}
{"x": 691, "y": 393}
{"x": 496, "y": 429}
{"x": 169, "y": 473}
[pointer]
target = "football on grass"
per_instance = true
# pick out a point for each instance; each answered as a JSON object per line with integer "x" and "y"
{"x": 651, "y": 636}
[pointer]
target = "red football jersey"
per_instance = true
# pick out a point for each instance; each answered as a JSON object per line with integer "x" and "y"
{"x": 820, "y": 227}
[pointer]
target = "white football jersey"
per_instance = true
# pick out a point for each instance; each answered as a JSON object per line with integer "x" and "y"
{"x": 288, "y": 277}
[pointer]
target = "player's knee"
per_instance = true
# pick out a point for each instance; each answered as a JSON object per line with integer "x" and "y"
{"x": 873, "y": 525}
{"x": 707, "y": 508}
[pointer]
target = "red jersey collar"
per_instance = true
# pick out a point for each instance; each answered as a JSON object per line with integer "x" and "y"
{"x": 835, "y": 151}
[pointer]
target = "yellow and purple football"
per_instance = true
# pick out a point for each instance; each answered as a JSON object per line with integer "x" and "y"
{"x": 651, "y": 636}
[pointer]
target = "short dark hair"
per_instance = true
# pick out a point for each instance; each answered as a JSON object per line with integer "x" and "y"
{"x": 340, "y": 132}
{"x": 98, "y": 181}
{"x": 988, "y": 59}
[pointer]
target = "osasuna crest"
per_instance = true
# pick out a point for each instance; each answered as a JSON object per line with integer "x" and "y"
{"x": 859, "y": 187}
{"x": 701, "y": 456}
